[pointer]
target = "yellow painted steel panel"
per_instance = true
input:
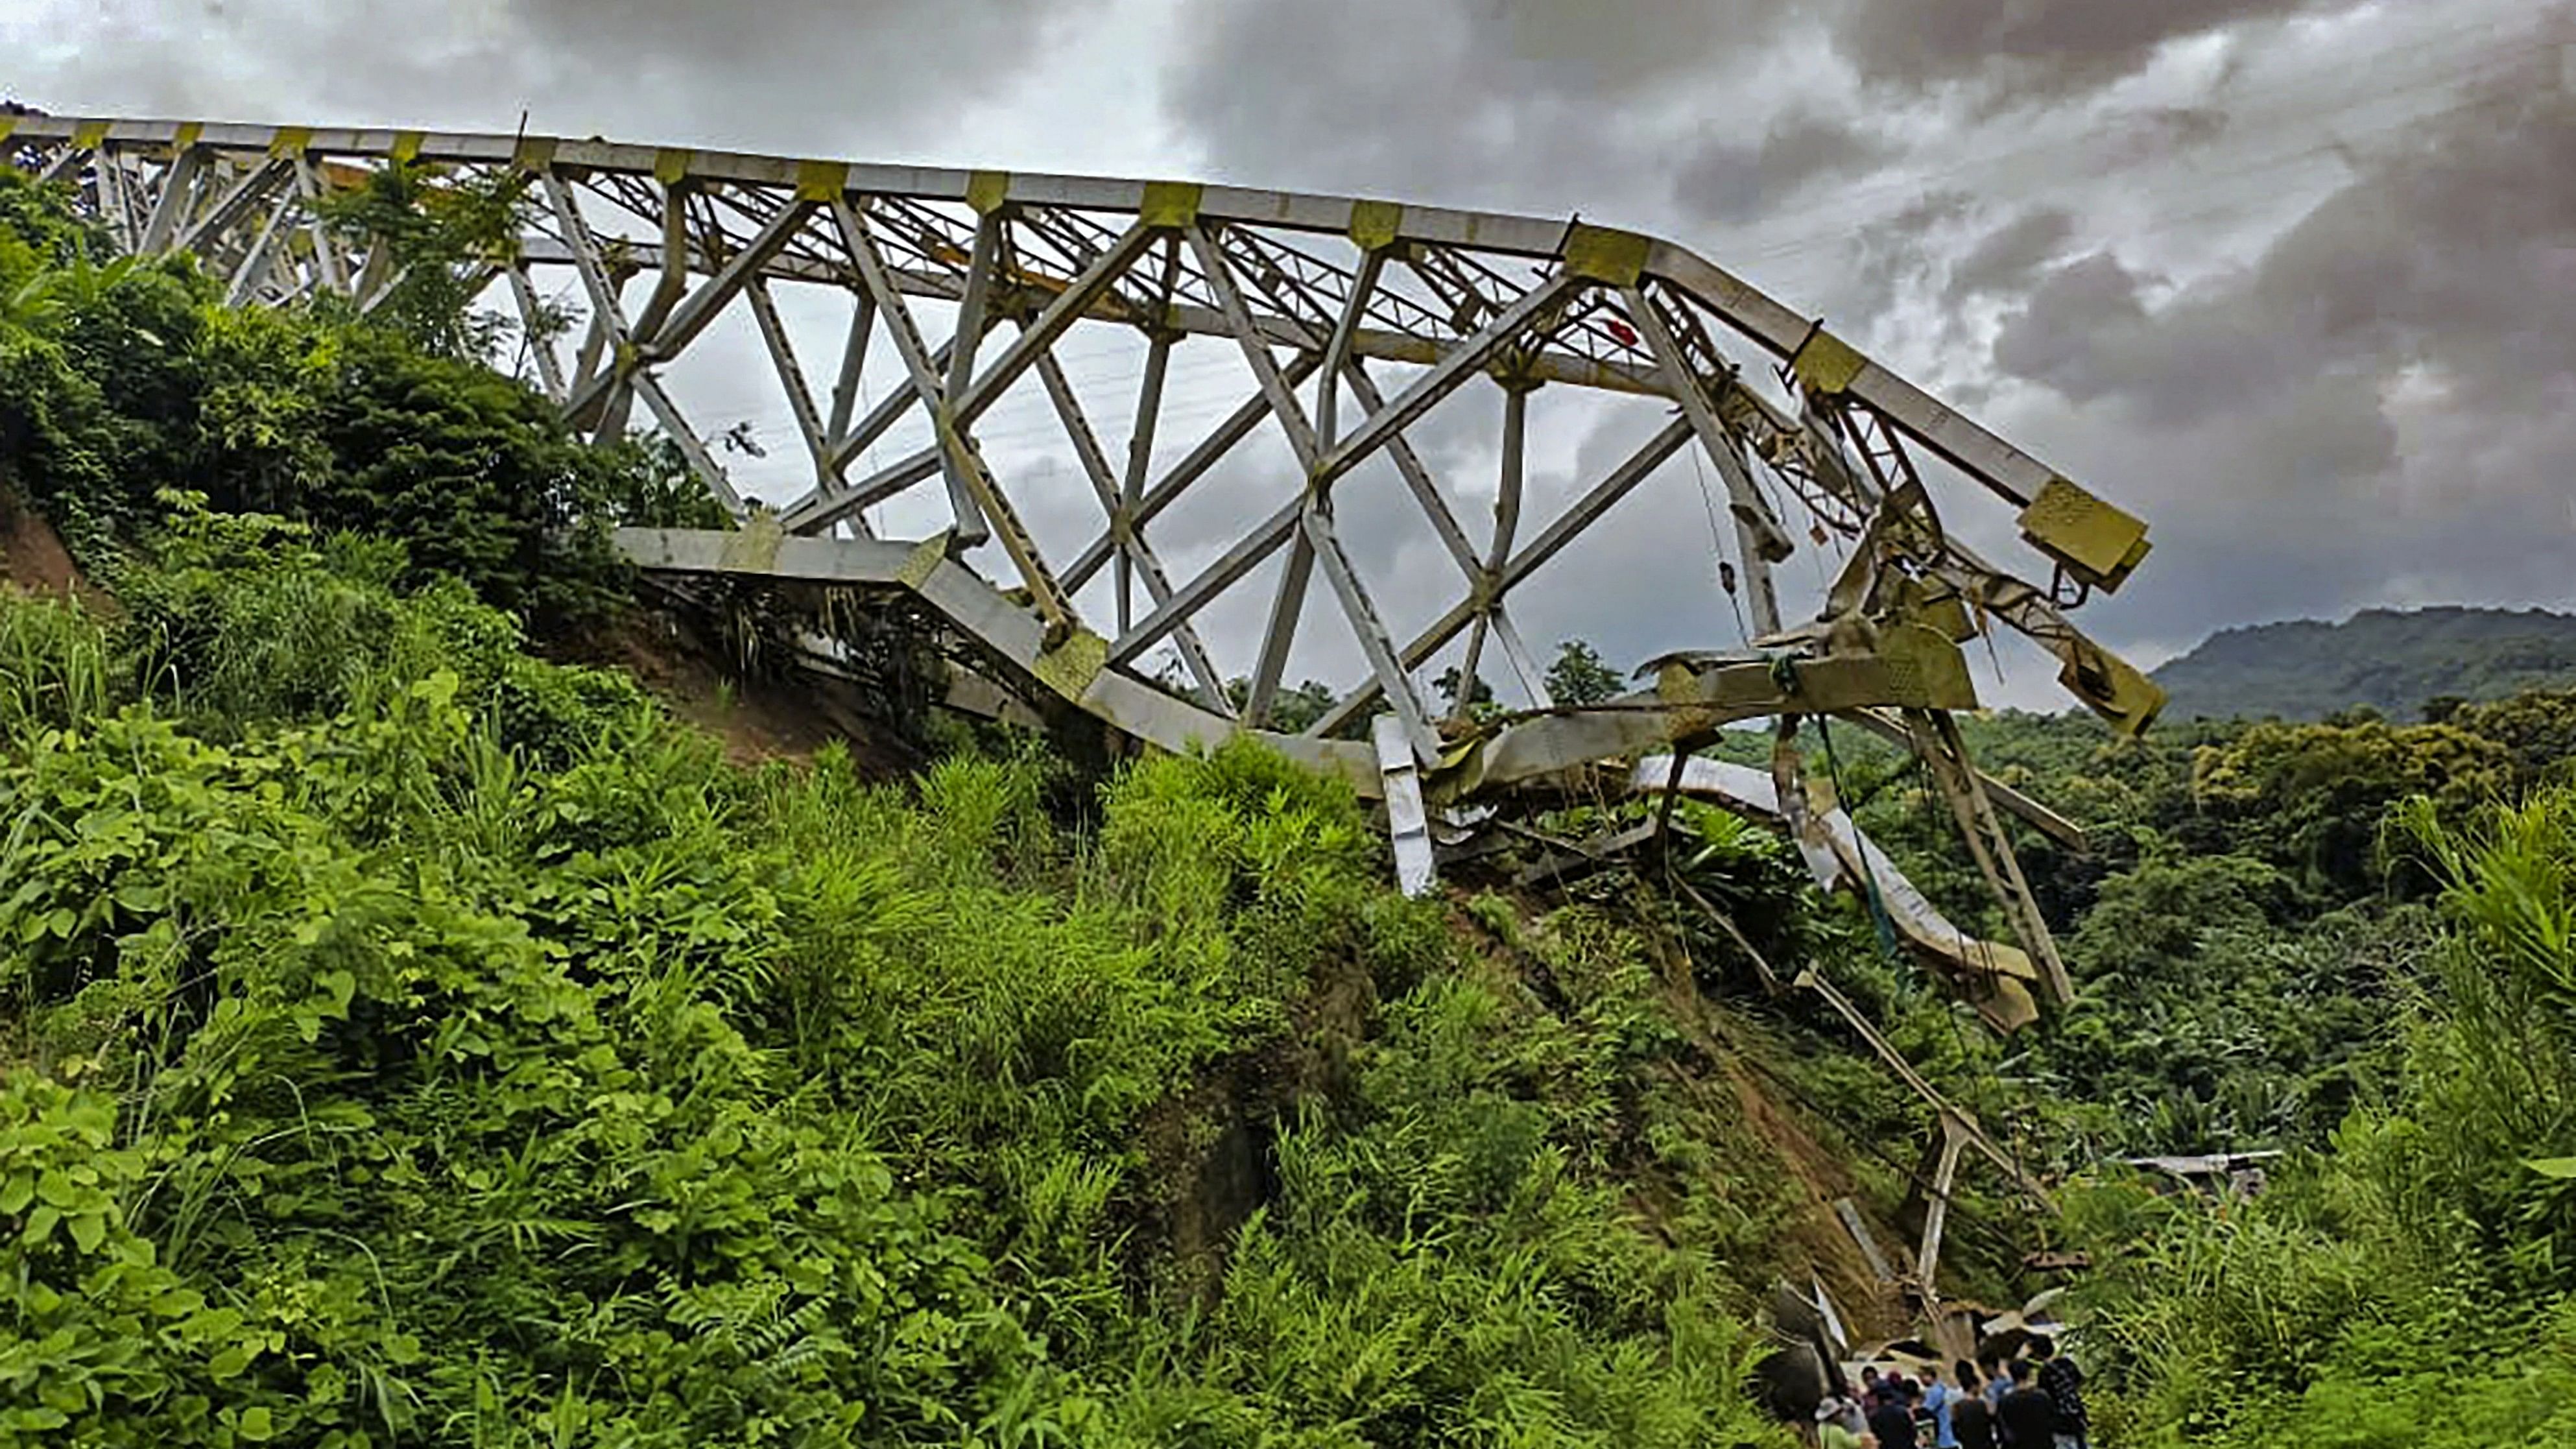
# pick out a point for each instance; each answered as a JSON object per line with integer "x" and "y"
{"x": 1827, "y": 364}
{"x": 1606, "y": 254}
{"x": 1376, "y": 224}
{"x": 822, "y": 180}
{"x": 1171, "y": 203}
{"x": 2099, "y": 541}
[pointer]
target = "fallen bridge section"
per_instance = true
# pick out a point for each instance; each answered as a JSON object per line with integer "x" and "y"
{"x": 1996, "y": 978}
{"x": 1691, "y": 700}
{"x": 1002, "y": 631}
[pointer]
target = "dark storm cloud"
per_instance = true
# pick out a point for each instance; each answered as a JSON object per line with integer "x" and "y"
{"x": 1731, "y": 181}
{"x": 786, "y": 74}
{"x": 2006, "y": 258}
{"x": 1502, "y": 102}
{"x": 2379, "y": 402}
{"x": 2035, "y": 47}
{"x": 882, "y": 55}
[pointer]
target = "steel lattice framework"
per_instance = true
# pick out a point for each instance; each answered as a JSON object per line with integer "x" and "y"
{"x": 1352, "y": 319}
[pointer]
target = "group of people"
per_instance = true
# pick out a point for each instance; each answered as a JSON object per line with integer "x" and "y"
{"x": 2033, "y": 1400}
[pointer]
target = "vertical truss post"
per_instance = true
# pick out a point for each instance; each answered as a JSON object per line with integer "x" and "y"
{"x": 178, "y": 189}
{"x": 1936, "y": 1213}
{"x": 114, "y": 200}
{"x": 1124, "y": 527}
{"x": 541, "y": 343}
{"x": 674, "y": 281}
{"x": 326, "y": 250}
{"x": 1936, "y": 740}
{"x": 1337, "y": 352}
{"x": 854, "y": 362}
{"x": 1488, "y": 582}
{"x": 962, "y": 495}
{"x": 1287, "y": 605}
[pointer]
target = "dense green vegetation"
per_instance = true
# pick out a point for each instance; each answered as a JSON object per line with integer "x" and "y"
{"x": 2400, "y": 663}
{"x": 121, "y": 378}
{"x": 2346, "y": 939}
{"x": 415, "y": 1042}
{"x": 405, "y": 1039}
{"x": 2409, "y": 1285}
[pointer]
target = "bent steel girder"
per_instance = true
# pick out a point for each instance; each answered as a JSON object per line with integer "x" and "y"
{"x": 1352, "y": 323}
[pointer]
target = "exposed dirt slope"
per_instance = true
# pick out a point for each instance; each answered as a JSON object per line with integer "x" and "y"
{"x": 32, "y": 556}
{"x": 758, "y": 717}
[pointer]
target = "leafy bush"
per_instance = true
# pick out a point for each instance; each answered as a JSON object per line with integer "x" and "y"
{"x": 417, "y": 1042}
{"x": 123, "y": 378}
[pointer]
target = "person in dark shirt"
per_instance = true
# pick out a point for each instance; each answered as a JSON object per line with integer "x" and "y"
{"x": 1891, "y": 1422}
{"x": 1972, "y": 1424}
{"x": 2029, "y": 1416}
{"x": 2063, "y": 1382}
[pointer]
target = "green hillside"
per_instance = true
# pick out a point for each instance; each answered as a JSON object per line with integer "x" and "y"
{"x": 408, "y": 1037}
{"x": 2396, "y": 662}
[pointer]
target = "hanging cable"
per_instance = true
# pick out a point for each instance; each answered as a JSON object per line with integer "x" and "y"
{"x": 1717, "y": 551}
{"x": 1860, "y": 847}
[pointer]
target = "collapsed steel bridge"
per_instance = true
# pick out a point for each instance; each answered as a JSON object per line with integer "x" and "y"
{"x": 1352, "y": 320}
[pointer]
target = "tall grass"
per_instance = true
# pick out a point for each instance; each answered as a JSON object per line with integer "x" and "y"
{"x": 56, "y": 668}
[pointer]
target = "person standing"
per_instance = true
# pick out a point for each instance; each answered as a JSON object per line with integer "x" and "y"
{"x": 1891, "y": 1421}
{"x": 1833, "y": 1426}
{"x": 2027, "y": 1413}
{"x": 1940, "y": 1402}
{"x": 2063, "y": 1382}
{"x": 1972, "y": 1421}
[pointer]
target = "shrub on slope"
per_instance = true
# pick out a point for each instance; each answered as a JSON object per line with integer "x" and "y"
{"x": 411, "y": 1042}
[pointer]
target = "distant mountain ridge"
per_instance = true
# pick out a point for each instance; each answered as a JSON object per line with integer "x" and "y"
{"x": 2390, "y": 659}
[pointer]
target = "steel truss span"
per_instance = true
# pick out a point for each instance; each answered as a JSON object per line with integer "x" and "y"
{"x": 1349, "y": 324}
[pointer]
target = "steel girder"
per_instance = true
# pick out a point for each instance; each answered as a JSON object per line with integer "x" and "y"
{"x": 1355, "y": 320}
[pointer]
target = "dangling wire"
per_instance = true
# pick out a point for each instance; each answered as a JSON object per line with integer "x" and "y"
{"x": 1717, "y": 551}
{"x": 1860, "y": 846}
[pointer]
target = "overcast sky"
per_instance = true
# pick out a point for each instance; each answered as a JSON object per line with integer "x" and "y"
{"x": 2293, "y": 279}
